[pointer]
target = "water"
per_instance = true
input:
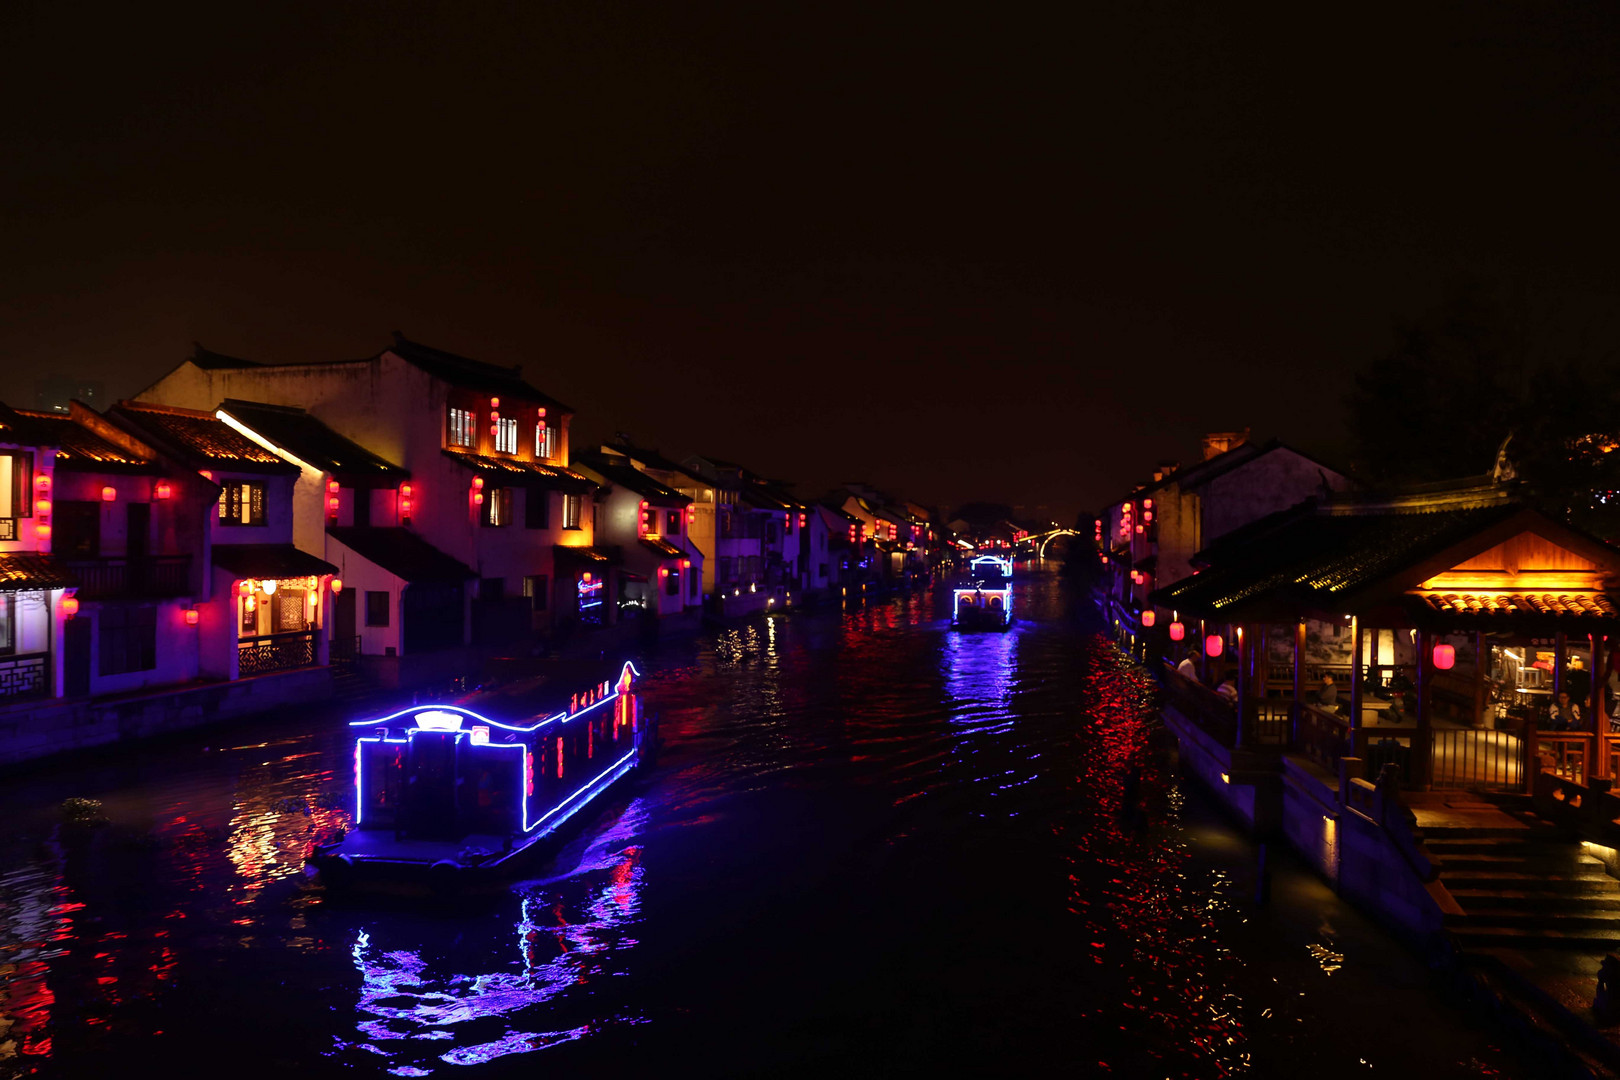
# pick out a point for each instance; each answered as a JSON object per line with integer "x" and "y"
{"x": 872, "y": 846}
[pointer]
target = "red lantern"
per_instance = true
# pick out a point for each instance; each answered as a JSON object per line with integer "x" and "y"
{"x": 337, "y": 585}
{"x": 42, "y": 482}
{"x": 1147, "y": 504}
{"x": 70, "y": 606}
{"x": 42, "y": 507}
{"x": 686, "y": 564}
{"x": 1149, "y": 617}
{"x": 1444, "y": 656}
{"x": 405, "y": 491}
{"x": 333, "y": 487}
{"x": 163, "y": 489}
{"x": 1214, "y": 645}
{"x": 332, "y": 506}
{"x": 495, "y": 403}
{"x": 478, "y": 483}
{"x": 1177, "y": 631}
{"x": 108, "y": 494}
{"x": 192, "y": 615}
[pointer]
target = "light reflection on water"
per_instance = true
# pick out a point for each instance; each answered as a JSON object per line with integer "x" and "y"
{"x": 874, "y": 845}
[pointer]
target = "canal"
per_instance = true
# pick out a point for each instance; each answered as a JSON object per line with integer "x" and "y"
{"x": 872, "y": 846}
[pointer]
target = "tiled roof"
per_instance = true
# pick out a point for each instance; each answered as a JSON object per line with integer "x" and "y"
{"x": 81, "y": 449}
{"x": 269, "y": 561}
{"x": 213, "y": 361}
{"x": 527, "y": 473}
{"x": 310, "y": 440}
{"x": 662, "y": 547}
{"x": 402, "y": 553}
{"x": 470, "y": 374}
{"x": 1567, "y": 604}
{"x": 25, "y": 570}
{"x": 202, "y": 438}
{"x": 621, "y": 474}
{"x": 1322, "y": 558}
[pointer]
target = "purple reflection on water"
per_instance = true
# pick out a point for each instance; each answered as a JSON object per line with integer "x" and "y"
{"x": 572, "y": 929}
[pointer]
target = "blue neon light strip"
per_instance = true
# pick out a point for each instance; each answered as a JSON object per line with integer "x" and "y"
{"x": 563, "y": 716}
{"x": 611, "y": 773}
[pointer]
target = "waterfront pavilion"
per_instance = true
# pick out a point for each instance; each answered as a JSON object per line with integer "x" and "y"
{"x": 1451, "y": 619}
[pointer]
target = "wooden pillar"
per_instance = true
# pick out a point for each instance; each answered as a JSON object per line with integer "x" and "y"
{"x": 1372, "y": 661}
{"x": 1245, "y": 685}
{"x": 1355, "y": 674}
{"x": 1425, "y": 688}
{"x": 1600, "y": 705}
{"x": 1203, "y": 652}
{"x": 1299, "y": 680}
{"x": 1560, "y": 643}
{"x": 1482, "y": 659}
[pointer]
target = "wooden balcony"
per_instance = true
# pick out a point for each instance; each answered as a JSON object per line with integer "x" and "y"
{"x": 275, "y": 652}
{"x": 153, "y": 577}
{"x": 25, "y": 676}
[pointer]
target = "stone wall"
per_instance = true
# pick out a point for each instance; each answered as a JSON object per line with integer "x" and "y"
{"x": 27, "y": 734}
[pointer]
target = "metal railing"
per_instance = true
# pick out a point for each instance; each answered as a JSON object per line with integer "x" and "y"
{"x": 274, "y": 652}
{"x": 25, "y": 676}
{"x": 1477, "y": 759}
{"x": 153, "y": 576}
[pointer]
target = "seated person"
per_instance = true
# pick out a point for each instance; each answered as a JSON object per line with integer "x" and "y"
{"x": 1228, "y": 688}
{"x": 1187, "y": 669}
{"x": 1328, "y": 695}
{"x": 1396, "y": 713}
{"x": 1564, "y": 714}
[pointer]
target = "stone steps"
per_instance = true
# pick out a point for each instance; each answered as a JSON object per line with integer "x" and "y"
{"x": 1476, "y": 901}
{"x": 1513, "y": 937}
{"x": 1539, "y": 919}
{"x": 1509, "y": 878}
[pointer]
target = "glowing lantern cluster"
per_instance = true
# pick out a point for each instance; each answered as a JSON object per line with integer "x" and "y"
{"x": 405, "y": 493}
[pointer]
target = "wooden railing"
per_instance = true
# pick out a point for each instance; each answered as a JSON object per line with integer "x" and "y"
{"x": 1320, "y": 735}
{"x": 1201, "y": 705}
{"x": 155, "y": 576}
{"x": 275, "y": 652}
{"x": 1565, "y": 754}
{"x": 25, "y": 676}
{"x": 8, "y": 528}
{"x": 1270, "y": 722}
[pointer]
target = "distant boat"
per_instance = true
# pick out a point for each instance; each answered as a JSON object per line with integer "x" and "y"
{"x": 985, "y": 601}
{"x": 446, "y": 798}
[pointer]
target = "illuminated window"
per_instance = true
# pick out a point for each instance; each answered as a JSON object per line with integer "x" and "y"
{"x": 8, "y": 623}
{"x": 461, "y": 427}
{"x": 16, "y": 490}
{"x": 497, "y": 506}
{"x": 506, "y": 436}
{"x": 573, "y": 507}
{"x": 542, "y": 441}
{"x": 242, "y": 503}
{"x": 672, "y": 521}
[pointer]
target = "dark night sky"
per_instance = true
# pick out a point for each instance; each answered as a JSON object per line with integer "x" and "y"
{"x": 992, "y": 254}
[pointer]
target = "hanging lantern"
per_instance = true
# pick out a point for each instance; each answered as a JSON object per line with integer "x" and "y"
{"x": 332, "y": 506}
{"x": 1444, "y": 656}
{"x": 108, "y": 494}
{"x": 337, "y": 585}
{"x": 42, "y": 507}
{"x": 269, "y": 587}
{"x": 686, "y": 564}
{"x": 1177, "y": 631}
{"x": 42, "y": 482}
{"x": 406, "y": 491}
{"x": 192, "y": 615}
{"x": 245, "y": 588}
{"x": 1149, "y": 617}
{"x": 250, "y": 603}
{"x": 1214, "y": 645}
{"x": 162, "y": 490}
{"x": 333, "y": 487}
{"x": 495, "y": 403}
{"x": 70, "y": 606}
{"x": 1147, "y": 504}
{"x": 478, "y": 483}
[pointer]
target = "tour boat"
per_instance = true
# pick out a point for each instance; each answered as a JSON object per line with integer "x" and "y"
{"x": 991, "y": 567}
{"x": 446, "y": 798}
{"x": 982, "y": 606}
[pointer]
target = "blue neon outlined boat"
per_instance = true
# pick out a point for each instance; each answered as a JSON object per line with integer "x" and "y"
{"x": 446, "y": 797}
{"x": 985, "y": 602}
